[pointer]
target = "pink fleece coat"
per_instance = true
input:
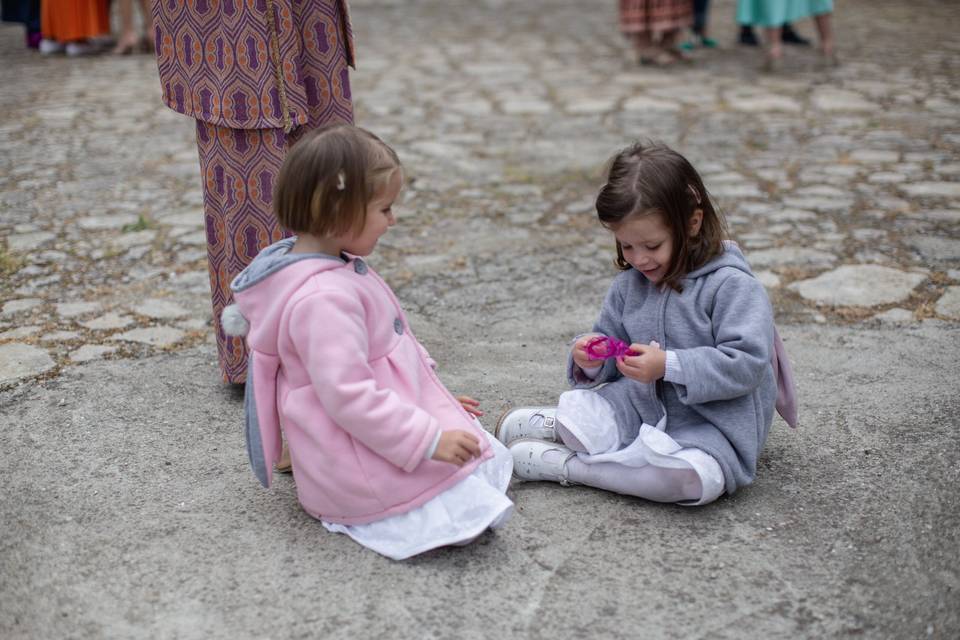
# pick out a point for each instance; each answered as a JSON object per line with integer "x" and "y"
{"x": 335, "y": 363}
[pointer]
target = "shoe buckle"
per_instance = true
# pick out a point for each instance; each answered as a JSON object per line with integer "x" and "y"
{"x": 549, "y": 421}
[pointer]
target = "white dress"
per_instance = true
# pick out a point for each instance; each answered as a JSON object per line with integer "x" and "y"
{"x": 456, "y": 516}
{"x": 591, "y": 419}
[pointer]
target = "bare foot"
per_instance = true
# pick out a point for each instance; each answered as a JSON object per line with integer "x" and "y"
{"x": 125, "y": 45}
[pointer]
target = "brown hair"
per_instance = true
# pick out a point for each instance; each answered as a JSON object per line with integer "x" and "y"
{"x": 649, "y": 178}
{"x": 329, "y": 177}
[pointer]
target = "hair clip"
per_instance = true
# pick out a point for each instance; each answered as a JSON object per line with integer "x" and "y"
{"x": 696, "y": 194}
{"x": 604, "y": 347}
{"x": 341, "y": 180}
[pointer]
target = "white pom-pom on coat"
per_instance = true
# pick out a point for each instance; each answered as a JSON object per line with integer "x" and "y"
{"x": 233, "y": 322}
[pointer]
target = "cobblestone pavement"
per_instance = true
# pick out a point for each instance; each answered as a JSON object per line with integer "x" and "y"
{"x": 129, "y": 509}
{"x": 842, "y": 184}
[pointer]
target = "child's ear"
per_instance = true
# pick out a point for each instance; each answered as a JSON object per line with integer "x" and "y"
{"x": 696, "y": 220}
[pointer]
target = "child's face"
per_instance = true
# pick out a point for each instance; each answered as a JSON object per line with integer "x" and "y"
{"x": 379, "y": 218}
{"x": 647, "y": 245}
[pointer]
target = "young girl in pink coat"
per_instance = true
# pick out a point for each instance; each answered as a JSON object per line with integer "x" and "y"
{"x": 381, "y": 451}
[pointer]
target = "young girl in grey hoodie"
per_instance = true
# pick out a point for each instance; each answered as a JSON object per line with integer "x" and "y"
{"x": 683, "y": 416}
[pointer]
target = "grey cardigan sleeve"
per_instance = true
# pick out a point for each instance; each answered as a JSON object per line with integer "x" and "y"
{"x": 609, "y": 324}
{"x": 742, "y": 322}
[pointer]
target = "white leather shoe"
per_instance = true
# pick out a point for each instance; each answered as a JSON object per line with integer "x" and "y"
{"x": 535, "y": 460}
{"x": 527, "y": 422}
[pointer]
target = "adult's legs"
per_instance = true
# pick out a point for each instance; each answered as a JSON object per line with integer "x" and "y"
{"x": 239, "y": 168}
{"x": 825, "y": 31}
{"x": 774, "y": 44}
{"x": 700, "y": 11}
{"x": 127, "y": 40}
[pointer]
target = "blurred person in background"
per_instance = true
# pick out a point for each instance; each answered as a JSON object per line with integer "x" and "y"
{"x": 255, "y": 76}
{"x": 701, "y": 36}
{"x": 73, "y": 26}
{"x": 789, "y": 36}
{"x": 129, "y": 40}
{"x": 26, "y": 12}
{"x": 654, "y": 27}
{"x": 772, "y": 15}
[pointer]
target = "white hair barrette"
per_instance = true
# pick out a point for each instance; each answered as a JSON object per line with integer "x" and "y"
{"x": 341, "y": 181}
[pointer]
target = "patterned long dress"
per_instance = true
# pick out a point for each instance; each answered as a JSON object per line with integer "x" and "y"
{"x": 255, "y": 75}
{"x": 654, "y": 16}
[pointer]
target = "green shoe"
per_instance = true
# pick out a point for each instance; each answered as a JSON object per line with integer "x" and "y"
{"x": 709, "y": 43}
{"x": 689, "y": 45}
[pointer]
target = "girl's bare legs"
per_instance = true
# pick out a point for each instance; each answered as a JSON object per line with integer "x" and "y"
{"x": 128, "y": 40}
{"x": 147, "y": 24}
{"x": 825, "y": 31}
{"x": 774, "y": 42}
{"x": 128, "y": 34}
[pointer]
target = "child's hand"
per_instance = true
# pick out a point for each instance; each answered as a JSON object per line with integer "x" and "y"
{"x": 650, "y": 365}
{"x": 457, "y": 447}
{"x": 470, "y": 405}
{"x": 580, "y": 353}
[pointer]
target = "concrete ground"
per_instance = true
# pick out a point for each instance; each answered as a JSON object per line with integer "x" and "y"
{"x": 129, "y": 508}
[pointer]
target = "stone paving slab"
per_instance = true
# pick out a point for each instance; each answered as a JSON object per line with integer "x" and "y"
{"x": 807, "y": 163}
{"x": 131, "y": 513}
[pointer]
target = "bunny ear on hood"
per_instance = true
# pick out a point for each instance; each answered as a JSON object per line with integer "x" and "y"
{"x": 786, "y": 388}
{"x": 261, "y": 419}
{"x": 261, "y": 292}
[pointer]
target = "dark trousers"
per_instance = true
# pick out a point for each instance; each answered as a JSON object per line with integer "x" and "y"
{"x": 25, "y": 11}
{"x": 700, "y": 8}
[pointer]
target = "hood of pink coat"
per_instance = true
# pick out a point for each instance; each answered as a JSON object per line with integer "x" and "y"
{"x": 261, "y": 297}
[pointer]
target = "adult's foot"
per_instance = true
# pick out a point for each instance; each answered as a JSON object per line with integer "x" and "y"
{"x": 792, "y": 37}
{"x": 748, "y": 37}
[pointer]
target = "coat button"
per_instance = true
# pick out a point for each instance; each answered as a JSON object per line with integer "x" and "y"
{"x": 360, "y": 266}
{"x": 398, "y": 326}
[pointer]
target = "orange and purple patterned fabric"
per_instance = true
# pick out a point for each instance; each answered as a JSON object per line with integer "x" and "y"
{"x": 654, "y": 16}
{"x": 233, "y": 68}
{"x": 220, "y": 60}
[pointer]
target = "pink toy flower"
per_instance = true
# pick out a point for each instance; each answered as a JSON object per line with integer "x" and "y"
{"x": 604, "y": 347}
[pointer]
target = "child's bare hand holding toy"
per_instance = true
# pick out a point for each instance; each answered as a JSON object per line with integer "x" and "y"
{"x": 580, "y": 355}
{"x": 457, "y": 447}
{"x": 649, "y": 366}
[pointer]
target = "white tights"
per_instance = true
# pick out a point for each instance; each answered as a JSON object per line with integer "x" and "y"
{"x": 586, "y": 423}
{"x": 649, "y": 482}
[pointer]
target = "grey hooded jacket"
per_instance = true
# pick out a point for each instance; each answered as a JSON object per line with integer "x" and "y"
{"x": 721, "y": 328}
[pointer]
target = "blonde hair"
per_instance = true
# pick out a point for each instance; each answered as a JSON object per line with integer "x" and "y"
{"x": 329, "y": 177}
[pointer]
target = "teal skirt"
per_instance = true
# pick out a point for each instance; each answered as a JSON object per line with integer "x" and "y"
{"x": 776, "y": 13}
